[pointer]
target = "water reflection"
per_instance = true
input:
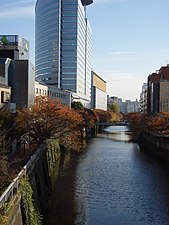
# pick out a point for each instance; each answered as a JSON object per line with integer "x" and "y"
{"x": 113, "y": 183}
{"x": 116, "y": 133}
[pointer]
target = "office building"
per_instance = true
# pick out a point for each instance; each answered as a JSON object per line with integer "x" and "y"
{"x": 98, "y": 92}
{"x": 16, "y": 71}
{"x": 14, "y": 47}
{"x": 63, "y": 46}
{"x": 53, "y": 92}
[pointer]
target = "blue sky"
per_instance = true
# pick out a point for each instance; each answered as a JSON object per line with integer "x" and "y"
{"x": 130, "y": 38}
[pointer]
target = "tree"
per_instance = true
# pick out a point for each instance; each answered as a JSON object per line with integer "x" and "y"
{"x": 7, "y": 131}
{"x": 6, "y": 137}
{"x": 114, "y": 107}
{"x": 103, "y": 116}
{"x": 47, "y": 119}
{"x": 77, "y": 106}
{"x": 115, "y": 116}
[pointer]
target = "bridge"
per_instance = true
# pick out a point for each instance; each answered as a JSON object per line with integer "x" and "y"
{"x": 114, "y": 123}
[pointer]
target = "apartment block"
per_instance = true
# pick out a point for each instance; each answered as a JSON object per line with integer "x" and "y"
{"x": 143, "y": 99}
{"x": 158, "y": 91}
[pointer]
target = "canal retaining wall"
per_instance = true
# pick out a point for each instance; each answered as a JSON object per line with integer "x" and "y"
{"x": 40, "y": 168}
{"x": 157, "y": 145}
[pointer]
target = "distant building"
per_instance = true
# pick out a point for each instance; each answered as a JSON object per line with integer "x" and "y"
{"x": 98, "y": 92}
{"x": 113, "y": 99}
{"x": 132, "y": 106}
{"x": 143, "y": 99}
{"x": 158, "y": 91}
{"x": 53, "y": 92}
{"x": 124, "y": 107}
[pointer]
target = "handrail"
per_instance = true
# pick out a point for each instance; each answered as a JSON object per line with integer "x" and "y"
{"x": 12, "y": 189}
{"x": 112, "y": 123}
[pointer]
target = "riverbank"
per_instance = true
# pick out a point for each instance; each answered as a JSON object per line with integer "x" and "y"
{"x": 37, "y": 178}
{"x": 37, "y": 175}
{"x": 156, "y": 144}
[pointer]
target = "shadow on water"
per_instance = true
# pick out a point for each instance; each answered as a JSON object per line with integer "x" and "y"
{"x": 61, "y": 205}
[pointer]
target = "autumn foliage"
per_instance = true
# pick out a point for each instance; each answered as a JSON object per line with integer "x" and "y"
{"x": 7, "y": 131}
{"x": 48, "y": 119}
{"x": 158, "y": 123}
{"x": 107, "y": 116}
{"x": 103, "y": 116}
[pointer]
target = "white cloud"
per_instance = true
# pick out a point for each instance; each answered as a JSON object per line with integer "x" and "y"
{"x": 21, "y": 8}
{"x": 17, "y": 12}
{"x": 121, "y": 53}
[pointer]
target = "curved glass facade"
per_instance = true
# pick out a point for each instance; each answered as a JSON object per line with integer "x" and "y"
{"x": 47, "y": 41}
{"x": 63, "y": 46}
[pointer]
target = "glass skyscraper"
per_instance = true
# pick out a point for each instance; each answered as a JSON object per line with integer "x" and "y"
{"x": 63, "y": 46}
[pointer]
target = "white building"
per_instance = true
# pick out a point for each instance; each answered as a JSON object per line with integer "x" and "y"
{"x": 53, "y": 92}
{"x": 143, "y": 99}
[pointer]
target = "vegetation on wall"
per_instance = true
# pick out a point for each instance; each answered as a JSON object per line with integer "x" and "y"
{"x": 53, "y": 155}
{"x": 32, "y": 217}
{"x": 3, "y": 215}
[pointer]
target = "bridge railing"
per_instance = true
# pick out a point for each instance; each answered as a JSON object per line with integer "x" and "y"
{"x": 119, "y": 123}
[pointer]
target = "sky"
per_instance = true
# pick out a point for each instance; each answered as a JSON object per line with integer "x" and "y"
{"x": 130, "y": 39}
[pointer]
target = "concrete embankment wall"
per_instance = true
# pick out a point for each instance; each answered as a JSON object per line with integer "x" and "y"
{"x": 156, "y": 144}
{"x": 39, "y": 169}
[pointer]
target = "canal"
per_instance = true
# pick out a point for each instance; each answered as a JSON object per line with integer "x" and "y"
{"x": 113, "y": 183}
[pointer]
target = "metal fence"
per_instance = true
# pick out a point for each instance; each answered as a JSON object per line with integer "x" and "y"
{"x": 14, "y": 186}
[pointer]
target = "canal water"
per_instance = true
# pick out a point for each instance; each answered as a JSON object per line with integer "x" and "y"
{"x": 113, "y": 183}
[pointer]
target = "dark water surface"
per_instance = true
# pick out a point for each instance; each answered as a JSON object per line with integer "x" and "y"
{"x": 113, "y": 183}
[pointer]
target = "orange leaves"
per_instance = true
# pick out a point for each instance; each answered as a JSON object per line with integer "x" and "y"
{"x": 103, "y": 116}
{"x": 156, "y": 123}
{"x": 89, "y": 117}
{"x": 49, "y": 119}
{"x": 159, "y": 123}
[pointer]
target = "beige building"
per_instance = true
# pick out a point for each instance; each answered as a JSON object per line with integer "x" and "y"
{"x": 98, "y": 92}
{"x": 5, "y": 94}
